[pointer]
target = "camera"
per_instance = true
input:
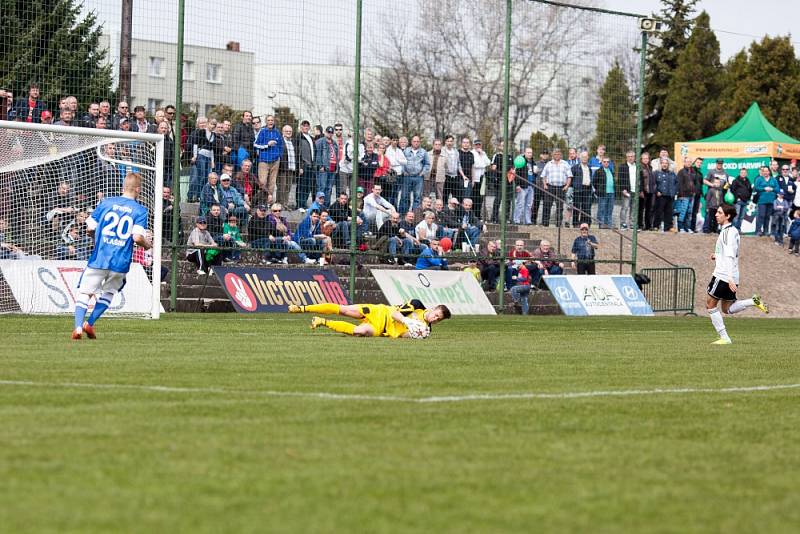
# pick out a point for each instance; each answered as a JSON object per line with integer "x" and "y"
{"x": 651, "y": 25}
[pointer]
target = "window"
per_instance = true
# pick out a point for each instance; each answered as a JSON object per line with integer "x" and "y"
{"x": 156, "y": 69}
{"x": 213, "y": 73}
{"x": 586, "y": 81}
{"x": 209, "y": 108}
{"x": 133, "y": 65}
{"x": 586, "y": 114}
{"x": 153, "y": 104}
{"x": 544, "y": 115}
{"x": 188, "y": 71}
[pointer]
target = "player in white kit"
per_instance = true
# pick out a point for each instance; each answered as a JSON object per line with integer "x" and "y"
{"x": 725, "y": 281}
{"x": 117, "y": 223}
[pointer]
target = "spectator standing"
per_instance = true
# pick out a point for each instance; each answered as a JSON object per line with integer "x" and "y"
{"x": 742, "y": 191}
{"x": 434, "y": 180}
{"x": 583, "y": 251}
{"x": 582, "y": 191}
{"x": 686, "y": 191}
{"x": 222, "y": 148}
{"x": 288, "y": 168}
{"x": 714, "y": 197}
{"x": 538, "y": 185}
{"x": 480, "y": 165}
{"x": 666, "y": 189}
{"x": 647, "y": 193}
{"x": 345, "y": 164}
{"x": 243, "y": 139}
{"x": 522, "y": 287}
{"x": 140, "y": 122}
{"x": 122, "y": 113}
{"x": 385, "y": 173}
{"x": 307, "y": 180}
{"x": 518, "y": 252}
{"x": 368, "y": 167}
{"x": 556, "y": 179}
{"x": 597, "y": 160}
{"x": 697, "y": 168}
{"x": 628, "y": 178}
{"x": 327, "y": 162}
{"x": 451, "y": 186}
{"x": 663, "y": 154}
{"x": 417, "y": 165}
{"x": 466, "y": 160}
{"x": 30, "y": 108}
{"x": 605, "y": 188}
{"x": 766, "y": 188}
{"x": 201, "y": 141}
{"x": 779, "y": 210}
{"x": 269, "y": 144}
{"x": 523, "y": 189}
{"x": 394, "y": 150}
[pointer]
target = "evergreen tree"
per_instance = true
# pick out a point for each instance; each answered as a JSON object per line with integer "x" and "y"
{"x": 616, "y": 121}
{"x": 691, "y": 109}
{"x": 771, "y": 77}
{"x": 46, "y": 42}
{"x": 734, "y": 72}
{"x": 662, "y": 59}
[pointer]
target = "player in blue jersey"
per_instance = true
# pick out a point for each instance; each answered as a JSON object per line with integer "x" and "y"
{"x": 117, "y": 223}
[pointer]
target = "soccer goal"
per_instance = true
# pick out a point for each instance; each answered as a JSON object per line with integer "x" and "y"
{"x": 51, "y": 178}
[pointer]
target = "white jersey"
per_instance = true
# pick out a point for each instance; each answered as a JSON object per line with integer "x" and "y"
{"x": 727, "y": 255}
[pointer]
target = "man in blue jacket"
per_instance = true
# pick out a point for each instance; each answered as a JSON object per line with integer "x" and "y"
{"x": 269, "y": 144}
{"x": 430, "y": 257}
{"x": 666, "y": 189}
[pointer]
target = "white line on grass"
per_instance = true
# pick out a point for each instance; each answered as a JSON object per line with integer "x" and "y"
{"x": 415, "y": 400}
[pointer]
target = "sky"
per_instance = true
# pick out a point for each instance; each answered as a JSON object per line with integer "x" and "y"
{"x": 736, "y": 23}
{"x": 320, "y": 31}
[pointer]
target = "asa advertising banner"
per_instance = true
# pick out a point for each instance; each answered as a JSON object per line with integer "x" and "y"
{"x": 456, "y": 289}
{"x": 49, "y": 287}
{"x": 254, "y": 290}
{"x": 598, "y": 295}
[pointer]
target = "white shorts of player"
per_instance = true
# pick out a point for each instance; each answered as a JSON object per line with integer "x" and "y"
{"x": 98, "y": 281}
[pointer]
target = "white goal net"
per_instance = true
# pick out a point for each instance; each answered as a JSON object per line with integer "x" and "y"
{"x": 51, "y": 178}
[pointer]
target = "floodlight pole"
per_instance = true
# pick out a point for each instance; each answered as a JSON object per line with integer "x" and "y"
{"x": 354, "y": 176}
{"x": 639, "y": 133}
{"x": 176, "y": 165}
{"x": 506, "y": 153}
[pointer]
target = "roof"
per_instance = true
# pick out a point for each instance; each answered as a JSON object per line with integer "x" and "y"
{"x": 752, "y": 127}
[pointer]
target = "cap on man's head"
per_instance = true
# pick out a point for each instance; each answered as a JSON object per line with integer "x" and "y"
{"x": 720, "y": 161}
{"x": 319, "y": 194}
{"x": 329, "y": 129}
{"x": 123, "y": 119}
{"x": 477, "y": 142}
{"x": 225, "y": 178}
{"x": 262, "y": 207}
{"x": 359, "y": 189}
{"x": 201, "y": 220}
{"x": 47, "y": 114}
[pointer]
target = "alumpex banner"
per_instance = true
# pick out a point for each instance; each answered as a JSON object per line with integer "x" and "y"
{"x": 581, "y": 295}
{"x": 457, "y": 289}
{"x": 49, "y": 287}
{"x": 255, "y": 290}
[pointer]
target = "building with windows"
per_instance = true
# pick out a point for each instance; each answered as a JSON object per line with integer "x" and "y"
{"x": 211, "y": 76}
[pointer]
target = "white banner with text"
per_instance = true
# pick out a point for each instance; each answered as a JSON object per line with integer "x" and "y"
{"x": 456, "y": 289}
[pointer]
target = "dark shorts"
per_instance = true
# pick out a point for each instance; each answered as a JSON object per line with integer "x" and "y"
{"x": 720, "y": 290}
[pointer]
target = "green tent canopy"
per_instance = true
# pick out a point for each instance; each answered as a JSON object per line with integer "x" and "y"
{"x": 752, "y": 127}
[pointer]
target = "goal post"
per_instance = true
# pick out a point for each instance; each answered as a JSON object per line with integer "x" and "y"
{"x": 51, "y": 178}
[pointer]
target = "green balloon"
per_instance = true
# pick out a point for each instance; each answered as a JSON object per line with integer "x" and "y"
{"x": 519, "y": 162}
{"x": 729, "y": 198}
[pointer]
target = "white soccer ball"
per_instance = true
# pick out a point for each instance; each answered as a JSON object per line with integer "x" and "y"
{"x": 417, "y": 329}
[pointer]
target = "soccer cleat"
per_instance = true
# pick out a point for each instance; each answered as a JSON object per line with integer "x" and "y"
{"x": 89, "y": 331}
{"x": 316, "y": 322}
{"x": 760, "y": 304}
{"x": 77, "y": 333}
{"x": 722, "y": 341}
{"x": 294, "y": 308}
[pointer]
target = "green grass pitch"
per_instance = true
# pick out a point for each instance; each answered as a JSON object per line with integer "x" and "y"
{"x": 226, "y": 423}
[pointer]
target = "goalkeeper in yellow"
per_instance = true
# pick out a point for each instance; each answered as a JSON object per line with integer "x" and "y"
{"x": 376, "y": 319}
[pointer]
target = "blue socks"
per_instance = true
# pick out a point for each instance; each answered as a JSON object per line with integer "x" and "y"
{"x": 100, "y": 307}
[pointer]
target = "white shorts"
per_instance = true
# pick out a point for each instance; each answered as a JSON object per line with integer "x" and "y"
{"x": 98, "y": 281}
